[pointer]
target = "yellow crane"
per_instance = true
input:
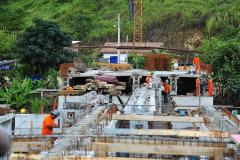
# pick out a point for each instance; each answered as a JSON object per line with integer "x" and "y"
{"x": 135, "y": 7}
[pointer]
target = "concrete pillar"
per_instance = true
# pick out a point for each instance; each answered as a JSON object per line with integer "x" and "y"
{"x": 133, "y": 84}
{"x": 173, "y": 84}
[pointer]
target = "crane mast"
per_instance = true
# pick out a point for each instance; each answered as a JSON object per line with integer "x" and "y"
{"x": 136, "y": 11}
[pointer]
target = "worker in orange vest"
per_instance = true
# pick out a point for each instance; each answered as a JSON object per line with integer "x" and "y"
{"x": 148, "y": 78}
{"x": 69, "y": 90}
{"x": 197, "y": 87}
{"x": 49, "y": 124}
{"x": 210, "y": 87}
{"x": 197, "y": 63}
{"x": 166, "y": 91}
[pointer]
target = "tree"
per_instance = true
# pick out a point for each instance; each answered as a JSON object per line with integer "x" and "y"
{"x": 6, "y": 42}
{"x": 42, "y": 46}
{"x": 224, "y": 56}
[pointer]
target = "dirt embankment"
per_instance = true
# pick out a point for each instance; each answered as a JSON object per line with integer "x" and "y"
{"x": 183, "y": 39}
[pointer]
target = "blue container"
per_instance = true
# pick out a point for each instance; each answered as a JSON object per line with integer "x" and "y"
{"x": 182, "y": 112}
{"x": 114, "y": 59}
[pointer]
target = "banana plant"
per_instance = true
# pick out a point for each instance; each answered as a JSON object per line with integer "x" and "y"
{"x": 17, "y": 94}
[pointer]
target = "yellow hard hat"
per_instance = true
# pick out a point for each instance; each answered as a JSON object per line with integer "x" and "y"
{"x": 23, "y": 110}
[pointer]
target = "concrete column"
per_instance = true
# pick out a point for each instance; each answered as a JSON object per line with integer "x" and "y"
{"x": 133, "y": 84}
{"x": 173, "y": 84}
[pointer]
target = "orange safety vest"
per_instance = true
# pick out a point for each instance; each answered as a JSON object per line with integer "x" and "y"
{"x": 196, "y": 62}
{"x": 210, "y": 87}
{"x": 167, "y": 88}
{"x": 197, "y": 87}
{"x": 48, "y": 120}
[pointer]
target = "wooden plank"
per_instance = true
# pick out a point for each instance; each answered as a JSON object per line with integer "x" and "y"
{"x": 29, "y": 147}
{"x": 158, "y": 149}
{"x": 142, "y": 140}
{"x": 170, "y": 132}
{"x": 69, "y": 157}
{"x": 158, "y": 118}
{"x": 218, "y": 155}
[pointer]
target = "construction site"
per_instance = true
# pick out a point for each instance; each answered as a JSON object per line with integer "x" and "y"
{"x": 117, "y": 112}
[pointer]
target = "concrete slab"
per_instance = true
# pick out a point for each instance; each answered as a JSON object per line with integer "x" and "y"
{"x": 193, "y": 101}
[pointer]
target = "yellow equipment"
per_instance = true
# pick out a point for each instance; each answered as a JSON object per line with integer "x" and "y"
{"x": 23, "y": 111}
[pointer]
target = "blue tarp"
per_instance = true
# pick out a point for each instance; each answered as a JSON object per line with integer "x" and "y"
{"x": 35, "y": 77}
{"x": 113, "y": 59}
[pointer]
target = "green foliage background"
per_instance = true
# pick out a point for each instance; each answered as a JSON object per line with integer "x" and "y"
{"x": 94, "y": 20}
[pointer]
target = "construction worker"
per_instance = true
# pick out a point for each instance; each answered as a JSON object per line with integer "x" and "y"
{"x": 166, "y": 91}
{"x": 148, "y": 78}
{"x": 197, "y": 63}
{"x": 210, "y": 87}
{"x": 197, "y": 87}
{"x": 69, "y": 90}
{"x": 49, "y": 124}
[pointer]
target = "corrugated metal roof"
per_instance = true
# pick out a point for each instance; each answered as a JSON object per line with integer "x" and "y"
{"x": 5, "y": 62}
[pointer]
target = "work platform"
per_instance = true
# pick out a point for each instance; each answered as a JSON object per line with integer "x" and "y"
{"x": 140, "y": 128}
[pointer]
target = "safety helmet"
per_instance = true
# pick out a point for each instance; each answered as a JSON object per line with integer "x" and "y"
{"x": 23, "y": 110}
{"x": 56, "y": 113}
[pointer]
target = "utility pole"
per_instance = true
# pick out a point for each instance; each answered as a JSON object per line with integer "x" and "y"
{"x": 119, "y": 37}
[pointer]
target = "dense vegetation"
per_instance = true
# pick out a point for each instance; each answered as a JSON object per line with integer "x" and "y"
{"x": 224, "y": 56}
{"x": 92, "y": 21}
{"x": 42, "y": 47}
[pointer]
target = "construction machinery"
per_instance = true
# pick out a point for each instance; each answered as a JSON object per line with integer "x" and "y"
{"x": 135, "y": 7}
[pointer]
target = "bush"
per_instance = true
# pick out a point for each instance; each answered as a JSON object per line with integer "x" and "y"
{"x": 137, "y": 61}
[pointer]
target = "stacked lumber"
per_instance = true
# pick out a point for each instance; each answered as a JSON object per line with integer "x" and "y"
{"x": 114, "y": 67}
{"x": 102, "y": 84}
{"x": 106, "y": 84}
{"x": 108, "y": 79}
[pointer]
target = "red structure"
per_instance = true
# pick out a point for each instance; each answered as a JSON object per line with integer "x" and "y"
{"x": 160, "y": 62}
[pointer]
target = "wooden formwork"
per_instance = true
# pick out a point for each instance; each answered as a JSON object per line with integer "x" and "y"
{"x": 136, "y": 146}
{"x": 31, "y": 145}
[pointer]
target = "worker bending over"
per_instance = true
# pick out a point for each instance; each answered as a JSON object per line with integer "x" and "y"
{"x": 166, "y": 91}
{"x": 49, "y": 124}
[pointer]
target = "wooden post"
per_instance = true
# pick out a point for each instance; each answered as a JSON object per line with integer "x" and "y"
{"x": 218, "y": 154}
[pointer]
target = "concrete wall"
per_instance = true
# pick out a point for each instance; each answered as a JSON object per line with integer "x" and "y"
{"x": 30, "y": 124}
{"x": 123, "y": 57}
{"x": 193, "y": 101}
{"x": 6, "y": 122}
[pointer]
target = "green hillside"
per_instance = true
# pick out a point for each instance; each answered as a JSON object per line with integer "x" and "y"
{"x": 93, "y": 20}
